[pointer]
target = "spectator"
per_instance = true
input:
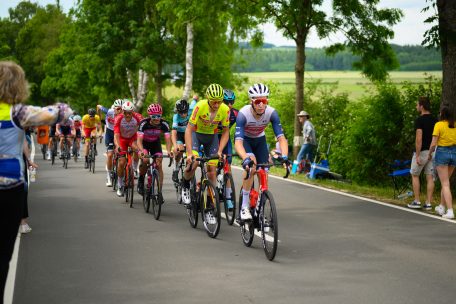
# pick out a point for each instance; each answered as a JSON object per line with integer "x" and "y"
{"x": 14, "y": 118}
{"x": 310, "y": 140}
{"x": 424, "y": 125}
{"x": 24, "y": 227}
{"x": 444, "y": 138}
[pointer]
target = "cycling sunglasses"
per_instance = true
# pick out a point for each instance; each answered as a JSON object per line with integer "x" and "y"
{"x": 257, "y": 101}
{"x": 215, "y": 101}
{"x": 156, "y": 116}
{"x": 128, "y": 113}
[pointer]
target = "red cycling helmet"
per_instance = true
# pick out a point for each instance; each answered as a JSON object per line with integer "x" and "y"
{"x": 155, "y": 109}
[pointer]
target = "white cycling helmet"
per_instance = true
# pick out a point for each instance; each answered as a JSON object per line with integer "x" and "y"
{"x": 128, "y": 106}
{"x": 258, "y": 90}
{"x": 76, "y": 118}
{"x": 117, "y": 103}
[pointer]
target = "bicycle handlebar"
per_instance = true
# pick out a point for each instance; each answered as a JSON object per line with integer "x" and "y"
{"x": 267, "y": 165}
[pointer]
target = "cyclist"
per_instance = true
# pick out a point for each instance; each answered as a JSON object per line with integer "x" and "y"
{"x": 116, "y": 108}
{"x": 91, "y": 124}
{"x": 202, "y": 129}
{"x": 180, "y": 121}
{"x": 65, "y": 128}
{"x": 229, "y": 98}
{"x": 250, "y": 139}
{"x": 77, "y": 128}
{"x": 149, "y": 141}
{"x": 125, "y": 126}
{"x": 52, "y": 137}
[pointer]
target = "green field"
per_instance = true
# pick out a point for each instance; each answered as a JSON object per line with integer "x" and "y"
{"x": 352, "y": 82}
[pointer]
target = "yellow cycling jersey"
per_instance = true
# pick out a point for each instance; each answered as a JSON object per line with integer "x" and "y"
{"x": 201, "y": 117}
{"x": 90, "y": 123}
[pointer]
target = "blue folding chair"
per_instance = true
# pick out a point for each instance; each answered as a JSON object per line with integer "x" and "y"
{"x": 400, "y": 177}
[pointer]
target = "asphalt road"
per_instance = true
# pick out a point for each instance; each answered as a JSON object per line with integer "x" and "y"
{"x": 88, "y": 246}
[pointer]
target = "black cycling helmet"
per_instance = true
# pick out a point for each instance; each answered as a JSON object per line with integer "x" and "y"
{"x": 228, "y": 96}
{"x": 92, "y": 112}
{"x": 181, "y": 106}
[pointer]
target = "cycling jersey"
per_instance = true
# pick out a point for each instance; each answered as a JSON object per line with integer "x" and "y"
{"x": 180, "y": 123}
{"x": 110, "y": 117}
{"x": 127, "y": 129}
{"x": 150, "y": 132}
{"x": 200, "y": 118}
{"x": 232, "y": 119}
{"x": 77, "y": 125}
{"x": 248, "y": 126}
{"x": 89, "y": 122}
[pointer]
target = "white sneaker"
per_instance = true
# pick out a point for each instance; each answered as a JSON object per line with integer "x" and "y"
{"x": 48, "y": 155}
{"x": 210, "y": 218}
{"x": 449, "y": 214}
{"x": 25, "y": 228}
{"x": 440, "y": 209}
{"x": 120, "y": 192}
{"x": 136, "y": 174}
{"x": 245, "y": 214}
{"x": 108, "y": 181}
{"x": 186, "y": 199}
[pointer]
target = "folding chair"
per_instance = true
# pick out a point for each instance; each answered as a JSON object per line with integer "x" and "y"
{"x": 401, "y": 178}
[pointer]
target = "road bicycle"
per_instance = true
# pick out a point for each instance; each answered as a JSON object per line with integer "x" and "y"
{"x": 65, "y": 154}
{"x": 204, "y": 199}
{"x": 44, "y": 150}
{"x": 264, "y": 214}
{"x": 178, "y": 175}
{"x": 115, "y": 158}
{"x": 92, "y": 154}
{"x": 152, "y": 188}
{"x": 54, "y": 149}
{"x": 75, "y": 149}
{"x": 224, "y": 179}
{"x": 129, "y": 178}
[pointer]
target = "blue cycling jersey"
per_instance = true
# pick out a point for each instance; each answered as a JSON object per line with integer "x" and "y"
{"x": 180, "y": 123}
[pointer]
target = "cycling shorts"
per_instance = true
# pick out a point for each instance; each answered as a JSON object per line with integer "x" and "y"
{"x": 52, "y": 131}
{"x": 125, "y": 143}
{"x": 78, "y": 133}
{"x": 153, "y": 147}
{"x": 65, "y": 130}
{"x": 109, "y": 139}
{"x": 257, "y": 147}
{"x": 180, "y": 138}
{"x": 88, "y": 132}
{"x": 210, "y": 144}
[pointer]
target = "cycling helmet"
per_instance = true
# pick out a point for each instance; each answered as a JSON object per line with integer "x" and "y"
{"x": 258, "y": 90}
{"x": 228, "y": 96}
{"x": 155, "y": 109}
{"x": 76, "y": 118}
{"x": 117, "y": 103}
{"x": 127, "y": 106}
{"x": 181, "y": 106}
{"x": 92, "y": 112}
{"x": 214, "y": 91}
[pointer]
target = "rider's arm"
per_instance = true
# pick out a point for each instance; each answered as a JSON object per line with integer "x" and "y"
{"x": 239, "y": 136}
{"x": 278, "y": 131}
{"x": 168, "y": 143}
{"x": 174, "y": 138}
{"x": 188, "y": 138}
{"x": 139, "y": 141}
{"x": 224, "y": 139}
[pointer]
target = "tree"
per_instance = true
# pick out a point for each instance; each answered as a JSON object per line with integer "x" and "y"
{"x": 366, "y": 28}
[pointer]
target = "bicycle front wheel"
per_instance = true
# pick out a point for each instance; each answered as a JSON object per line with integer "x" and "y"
{"x": 210, "y": 208}
{"x": 246, "y": 227}
{"x": 156, "y": 204}
{"x": 230, "y": 211}
{"x": 147, "y": 193}
{"x": 268, "y": 225}
{"x": 192, "y": 208}
{"x": 126, "y": 186}
{"x": 131, "y": 185}
{"x": 92, "y": 158}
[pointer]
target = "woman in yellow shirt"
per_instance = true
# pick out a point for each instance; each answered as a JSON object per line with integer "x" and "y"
{"x": 444, "y": 138}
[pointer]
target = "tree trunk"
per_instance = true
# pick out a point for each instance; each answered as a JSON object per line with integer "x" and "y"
{"x": 299, "y": 104}
{"x": 142, "y": 89}
{"x": 131, "y": 85}
{"x": 447, "y": 32}
{"x": 189, "y": 62}
{"x": 159, "y": 83}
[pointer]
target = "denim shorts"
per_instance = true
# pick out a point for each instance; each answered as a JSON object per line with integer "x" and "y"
{"x": 445, "y": 156}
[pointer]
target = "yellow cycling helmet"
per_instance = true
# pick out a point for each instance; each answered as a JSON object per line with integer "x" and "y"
{"x": 214, "y": 91}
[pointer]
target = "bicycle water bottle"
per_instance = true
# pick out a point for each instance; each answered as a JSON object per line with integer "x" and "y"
{"x": 294, "y": 168}
{"x": 32, "y": 174}
{"x": 404, "y": 195}
{"x": 253, "y": 198}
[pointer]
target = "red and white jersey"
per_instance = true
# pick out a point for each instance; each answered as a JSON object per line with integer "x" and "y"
{"x": 127, "y": 129}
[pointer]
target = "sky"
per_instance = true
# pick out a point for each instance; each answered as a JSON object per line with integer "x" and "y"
{"x": 409, "y": 31}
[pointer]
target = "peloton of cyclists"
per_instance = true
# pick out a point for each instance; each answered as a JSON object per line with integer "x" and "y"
{"x": 91, "y": 125}
{"x": 250, "y": 139}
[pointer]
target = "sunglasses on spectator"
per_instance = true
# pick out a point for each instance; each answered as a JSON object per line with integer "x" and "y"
{"x": 156, "y": 116}
{"x": 260, "y": 100}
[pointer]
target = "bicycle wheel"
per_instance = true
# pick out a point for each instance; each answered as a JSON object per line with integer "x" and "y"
{"x": 210, "y": 208}
{"x": 147, "y": 192}
{"x": 54, "y": 151}
{"x": 131, "y": 186}
{"x": 178, "y": 185}
{"x": 156, "y": 204}
{"x": 246, "y": 227}
{"x": 75, "y": 152}
{"x": 230, "y": 213}
{"x": 192, "y": 208}
{"x": 44, "y": 150}
{"x": 127, "y": 184}
{"x": 92, "y": 157}
{"x": 114, "y": 174}
{"x": 268, "y": 225}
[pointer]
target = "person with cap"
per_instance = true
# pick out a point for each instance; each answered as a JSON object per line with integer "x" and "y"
{"x": 310, "y": 140}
